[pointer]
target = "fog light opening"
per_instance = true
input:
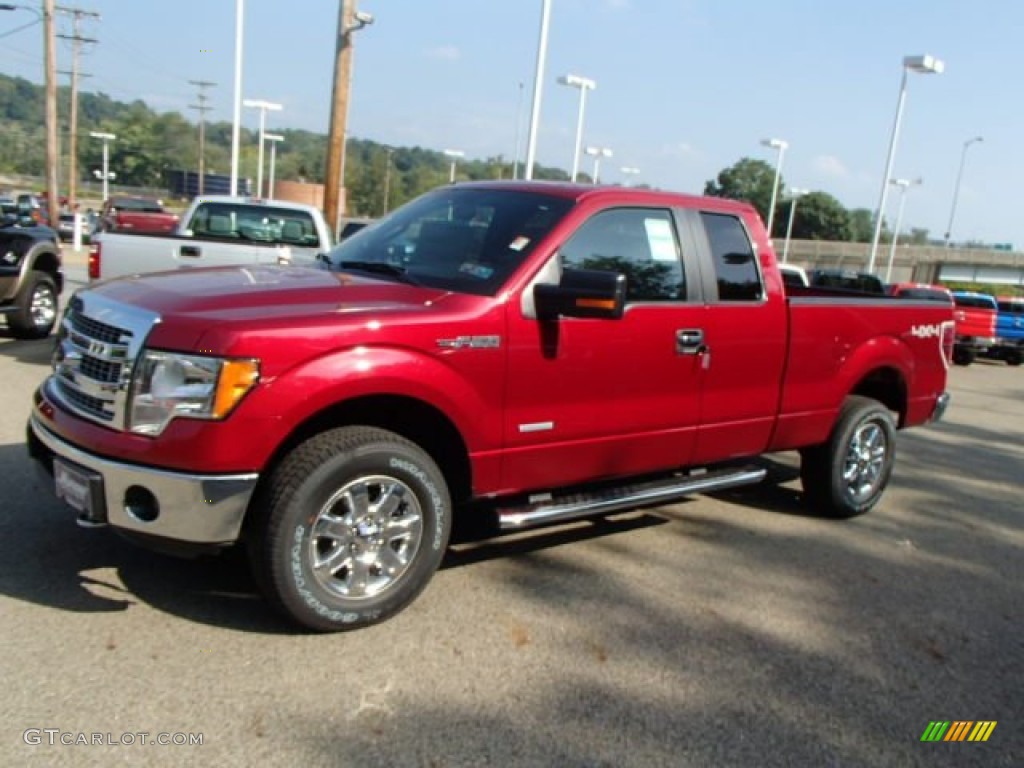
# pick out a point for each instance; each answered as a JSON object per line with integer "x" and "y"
{"x": 141, "y": 504}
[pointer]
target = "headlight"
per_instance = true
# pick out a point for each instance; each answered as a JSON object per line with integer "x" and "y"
{"x": 168, "y": 385}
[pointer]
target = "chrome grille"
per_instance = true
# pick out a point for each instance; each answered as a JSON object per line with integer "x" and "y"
{"x": 97, "y": 346}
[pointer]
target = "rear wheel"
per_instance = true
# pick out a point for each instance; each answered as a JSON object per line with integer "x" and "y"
{"x": 963, "y": 356}
{"x": 350, "y": 529}
{"x": 36, "y": 312}
{"x": 1014, "y": 357}
{"x": 847, "y": 475}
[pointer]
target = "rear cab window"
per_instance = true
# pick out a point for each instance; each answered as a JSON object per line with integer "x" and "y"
{"x": 266, "y": 224}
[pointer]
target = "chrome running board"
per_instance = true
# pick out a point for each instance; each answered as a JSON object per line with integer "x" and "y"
{"x": 546, "y": 508}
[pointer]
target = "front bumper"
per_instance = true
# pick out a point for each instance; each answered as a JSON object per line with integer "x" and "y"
{"x": 201, "y": 509}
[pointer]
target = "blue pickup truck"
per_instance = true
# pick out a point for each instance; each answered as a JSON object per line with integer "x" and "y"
{"x": 1009, "y": 344}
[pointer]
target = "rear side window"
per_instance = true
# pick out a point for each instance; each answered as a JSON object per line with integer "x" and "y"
{"x": 975, "y": 302}
{"x": 640, "y": 243}
{"x": 735, "y": 265}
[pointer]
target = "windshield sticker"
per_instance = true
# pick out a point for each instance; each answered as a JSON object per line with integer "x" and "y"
{"x": 476, "y": 270}
{"x": 519, "y": 243}
{"x": 659, "y": 238}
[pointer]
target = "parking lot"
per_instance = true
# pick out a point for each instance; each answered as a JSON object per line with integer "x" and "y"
{"x": 725, "y": 630}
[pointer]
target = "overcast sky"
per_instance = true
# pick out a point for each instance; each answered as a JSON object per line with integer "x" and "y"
{"x": 684, "y": 87}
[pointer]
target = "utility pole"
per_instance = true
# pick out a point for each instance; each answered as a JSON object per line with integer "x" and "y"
{"x": 76, "y": 39}
{"x": 334, "y": 181}
{"x": 349, "y": 20}
{"x": 52, "y": 148}
{"x": 202, "y": 107}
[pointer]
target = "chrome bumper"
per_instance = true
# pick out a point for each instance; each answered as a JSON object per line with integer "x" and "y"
{"x": 941, "y": 404}
{"x": 202, "y": 509}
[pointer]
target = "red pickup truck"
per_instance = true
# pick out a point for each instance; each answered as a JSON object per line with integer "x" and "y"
{"x": 527, "y": 351}
{"x": 141, "y": 215}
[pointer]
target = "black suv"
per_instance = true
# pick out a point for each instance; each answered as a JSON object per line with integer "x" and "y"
{"x": 31, "y": 277}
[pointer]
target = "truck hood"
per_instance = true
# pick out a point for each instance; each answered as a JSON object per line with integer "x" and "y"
{"x": 192, "y": 301}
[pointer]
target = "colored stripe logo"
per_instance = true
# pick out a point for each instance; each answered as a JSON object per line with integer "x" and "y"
{"x": 958, "y": 730}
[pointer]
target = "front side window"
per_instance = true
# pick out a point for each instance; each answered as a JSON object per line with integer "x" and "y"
{"x": 640, "y": 243}
{"x": 735, "y": 263}
{"x": 466, "y": 240}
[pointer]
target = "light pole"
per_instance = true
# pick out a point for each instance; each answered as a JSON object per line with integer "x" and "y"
{"x": 904, "y": 185}
{"x": 780, "y": 146}
{"x": 629, "y": 171}
{"x": 956, "y": 189}
{"x": 597, "y": 153}
{"x": 16, "y": 7}
{"x": 794, "y": 195}
{"x": 584, "y": 84}
{"x": 106, "y": 138}
{"x": 263, "y": 107}
{"x": 273, "y": 138}
{"x": 236, "y": 120}
{"x": 454, "y": 154}
{"x": 519, "y": 125}
{"x": 922, "y": 65}
{"x": 538, "y": 88}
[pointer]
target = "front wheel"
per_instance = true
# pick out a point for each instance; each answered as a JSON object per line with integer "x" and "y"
{"x": 847, "y": 475}
{"x": 36, "y": 312}
{"x": 963, "y": 356}
{"x": 350, "y": 528}
{"x": 1015, "y": 357}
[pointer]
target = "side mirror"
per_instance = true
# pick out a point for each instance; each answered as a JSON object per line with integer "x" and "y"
{"x": 582, "y": 293}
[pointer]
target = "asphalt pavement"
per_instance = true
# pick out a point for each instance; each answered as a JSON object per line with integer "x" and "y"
{"x": 727, "y": 630}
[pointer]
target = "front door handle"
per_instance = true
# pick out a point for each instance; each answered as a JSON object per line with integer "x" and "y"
{"x": 690, "y": 341}
{"x": 190, "y": 250}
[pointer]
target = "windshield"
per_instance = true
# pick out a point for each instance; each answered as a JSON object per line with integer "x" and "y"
{"x": 459, "y": 239}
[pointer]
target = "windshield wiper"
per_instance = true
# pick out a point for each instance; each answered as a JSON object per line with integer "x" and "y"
{"x": 381, "y": 268}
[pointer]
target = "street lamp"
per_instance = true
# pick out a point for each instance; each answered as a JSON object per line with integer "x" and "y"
{"x": 629, "y": 171}
{"x": 14, "y": 7}
{"x": 584, "y": 84}
{"x": 904, "y": 185}
{"x": 263, "y": 107}
{"x": 273, "y": 138}
{"x": 106, "y": 138}
{"x": 794, "y": 195}
{"x": 236, "y": 117}
{"x": 922, "y": 65}
{"x": 597, "y": 153}
{"x": 454, "y": 154}
{"x": 956, "y": 189}
{"x": 780, "y": 145}
{"x": 538, "y": 88}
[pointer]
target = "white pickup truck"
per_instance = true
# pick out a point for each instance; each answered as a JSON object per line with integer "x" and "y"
{"x": 217, "y": 231}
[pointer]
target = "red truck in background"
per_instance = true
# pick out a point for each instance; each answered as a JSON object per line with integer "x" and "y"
{"x": 526, "y": 351}
{"x": 975, "y": 315}
{"x": 142, "y": 215}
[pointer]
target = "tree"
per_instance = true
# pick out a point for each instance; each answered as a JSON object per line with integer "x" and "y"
{"x": 819, "y": 216}
{"x": 862, "y": 225}
{"x": 748, "y": 180}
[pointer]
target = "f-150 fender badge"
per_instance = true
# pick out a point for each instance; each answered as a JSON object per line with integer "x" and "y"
{"x": 470, "y": 342}
{"x": 926, "y": 331}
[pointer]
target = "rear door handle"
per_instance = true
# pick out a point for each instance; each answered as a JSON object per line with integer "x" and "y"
{"x": 690, "y": 341}
{"x": 190, "y": 250}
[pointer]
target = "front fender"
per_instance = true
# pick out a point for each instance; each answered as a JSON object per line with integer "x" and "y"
{"x": 465, "y": 385}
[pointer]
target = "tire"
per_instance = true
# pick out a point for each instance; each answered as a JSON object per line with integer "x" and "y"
{"x": 963, "y": 356}
{"x": 847, "y": 475}
{"x": 37, "y": 305}
{"x": 350, "y": 528}
{"x": 1014, "y": 357}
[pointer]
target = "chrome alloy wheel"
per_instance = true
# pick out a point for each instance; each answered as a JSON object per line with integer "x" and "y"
{"x": 365, "y": 537}
{"x": 43, "y": 307}
{"x": 865, "y": 460}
